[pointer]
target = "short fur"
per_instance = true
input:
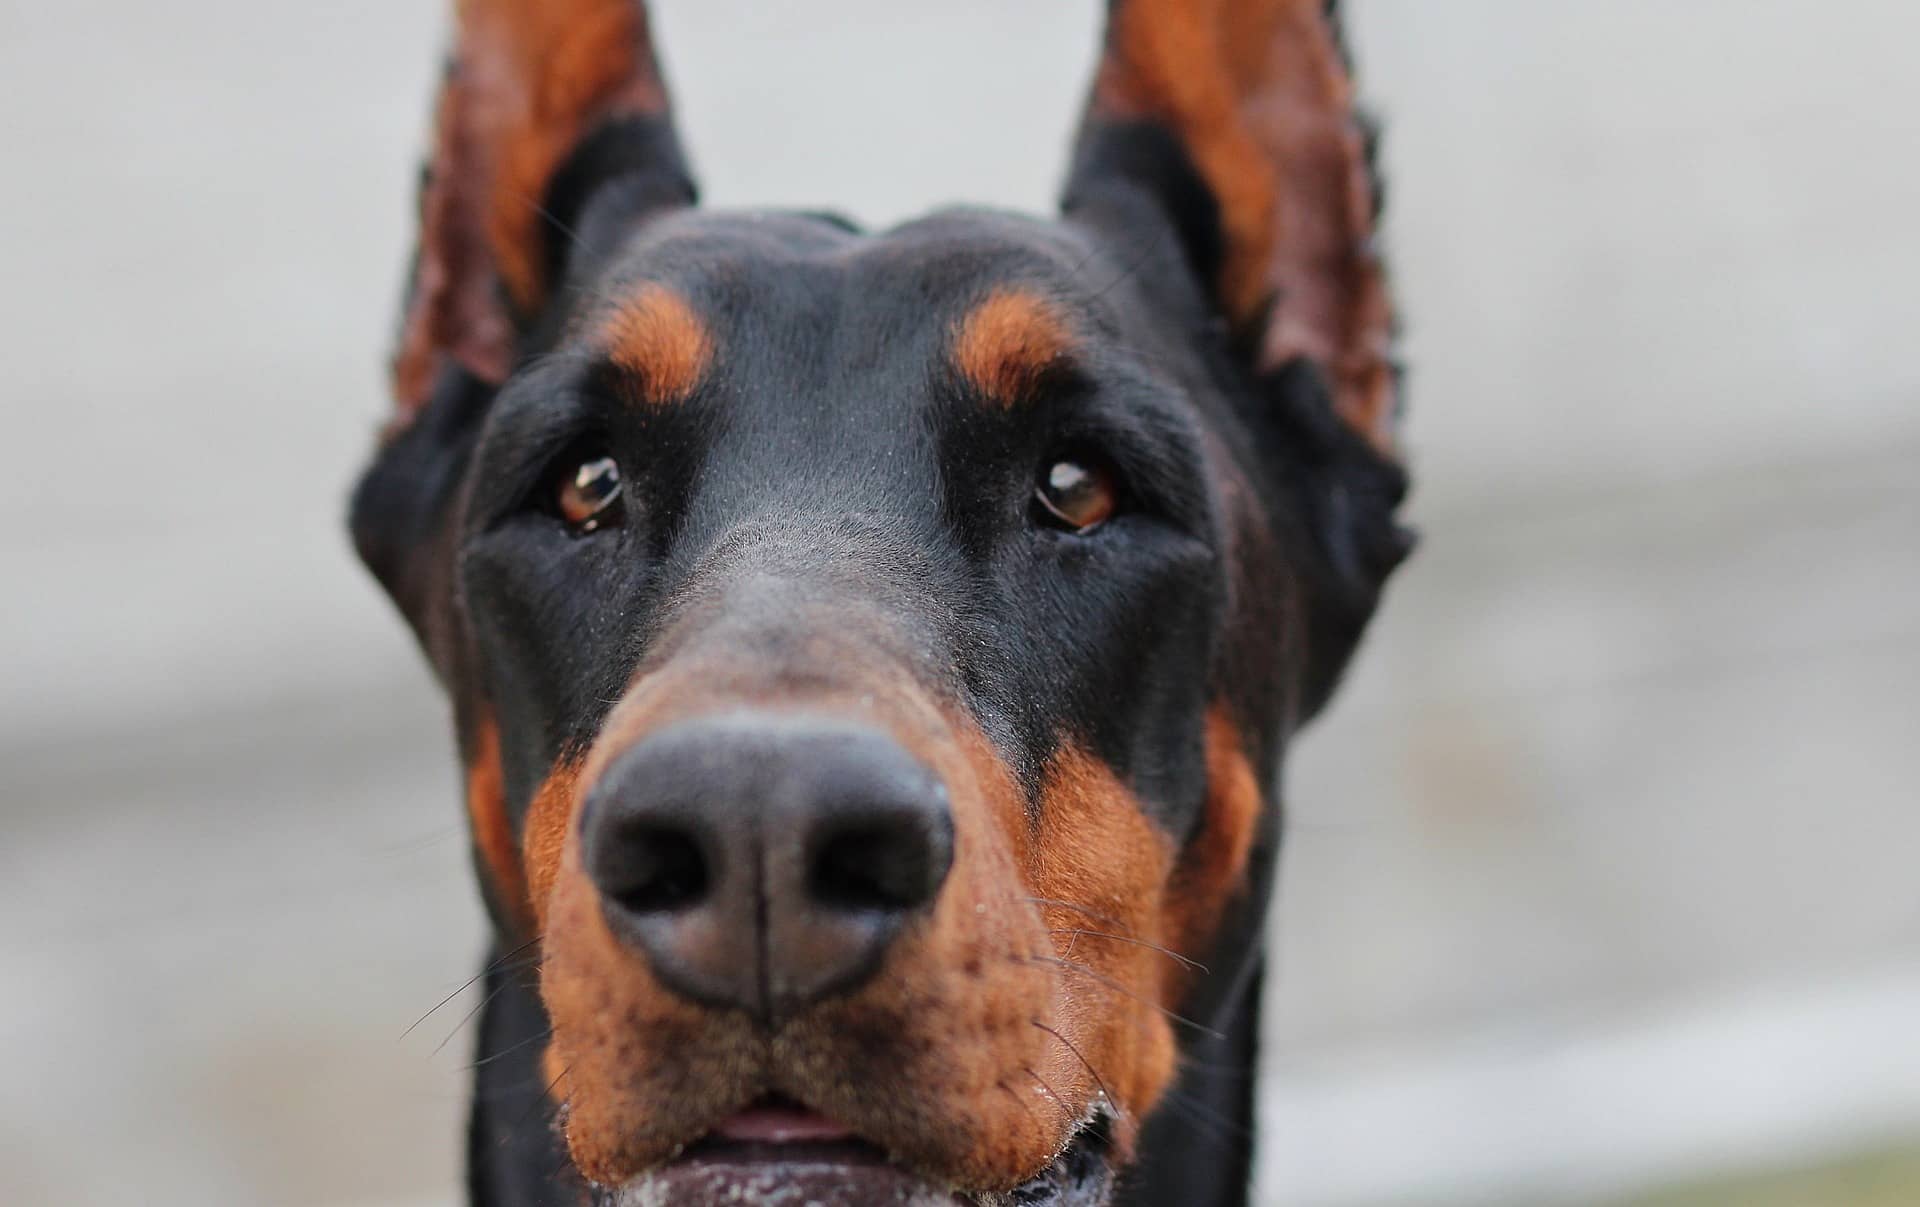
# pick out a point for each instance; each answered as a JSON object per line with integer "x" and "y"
{"x": 829, "y": 443}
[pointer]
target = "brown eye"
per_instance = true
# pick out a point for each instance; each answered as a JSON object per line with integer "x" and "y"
{"x": 589, "y": 497}
{"x": 1077, "y": 495}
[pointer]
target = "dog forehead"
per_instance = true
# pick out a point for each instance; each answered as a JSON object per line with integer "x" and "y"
{"x": 752, "y": 270}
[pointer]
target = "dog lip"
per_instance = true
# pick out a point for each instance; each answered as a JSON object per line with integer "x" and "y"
{"x": 773, "y": 1120}
{"x": 826, "y": 1165}
{"x": 816, "y": 1182}
{"x": 777, "y": 1150}
{"x": 853, "y": 1173}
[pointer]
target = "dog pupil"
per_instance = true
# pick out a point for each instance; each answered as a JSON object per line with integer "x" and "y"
{"x": 597, "y": 480}
{"x": 595, "y": 485}
{"x": 1068, "y": 480}
{"x": 1074, "y": 493}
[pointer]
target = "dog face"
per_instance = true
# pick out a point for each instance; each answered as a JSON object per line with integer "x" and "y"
{"x": 873, "y": 653}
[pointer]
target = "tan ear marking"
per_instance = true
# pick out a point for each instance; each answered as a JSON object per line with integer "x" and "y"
{"x": 544, "y": 73}
{"x": 1007, "y": 345}
{"x": 657, "y": 337}
{"x": 527, "y": 80}
{"x": 1259, "y": 95}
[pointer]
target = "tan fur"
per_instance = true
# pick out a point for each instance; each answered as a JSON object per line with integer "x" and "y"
{"x": 1256, "y": 91}
{"x": 657, "y": 337}
{"x": 544, "y": 835}
{"x": 493, "y": 836}
{"x": 1035, "y": 983}
{"x": 1213, "y": 868}
{"x": 528, "y": 79}
{"x": 1033, "y": 986}
{"x": 1006, "y": 345}
{"x": 930, "y": 1059}
{"x": 1097, "y": 850}
{"x": 644, "y": 1071}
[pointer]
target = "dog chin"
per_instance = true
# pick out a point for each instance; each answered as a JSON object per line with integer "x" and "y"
{"x": 851, "y": 1173}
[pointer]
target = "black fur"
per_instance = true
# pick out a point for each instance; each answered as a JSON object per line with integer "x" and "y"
{"x": 834, "y": 452}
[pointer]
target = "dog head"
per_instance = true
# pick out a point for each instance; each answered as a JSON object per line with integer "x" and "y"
{"x": 873, "y": 653}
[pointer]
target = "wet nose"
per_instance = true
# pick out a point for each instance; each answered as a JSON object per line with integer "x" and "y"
{"x": 764, "y": 863}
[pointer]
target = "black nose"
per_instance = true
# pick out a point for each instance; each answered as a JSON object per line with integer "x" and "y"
{"x": 763, "y": 862}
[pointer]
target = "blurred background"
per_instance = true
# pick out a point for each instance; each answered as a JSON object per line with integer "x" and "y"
{"x": 1604, "y": 877}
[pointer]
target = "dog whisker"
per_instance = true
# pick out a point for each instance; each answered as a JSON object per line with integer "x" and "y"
{"x": 467, "y": 1018}
{"x": 1092, "y": 1072}
{"x": 1218, "y": 1068}
{"x": 1017, "y": 1099}
{"x": 547, "y": 216}
{"x": 1048, "y": 1091}
{"x": 1117, "y": 987}
{"x": 565, "y": 1165}
{"x": 1101, "y": 934}
{"x": 1218, "y": 1128}
{"x": 498, "y": 964}
{"x": 1080, "y": 909}
{"x": 546, "y": 1097}
{"x": 510, "y": 1049}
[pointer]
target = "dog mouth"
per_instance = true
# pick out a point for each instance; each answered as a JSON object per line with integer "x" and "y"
{"x": 777, "y": 1152}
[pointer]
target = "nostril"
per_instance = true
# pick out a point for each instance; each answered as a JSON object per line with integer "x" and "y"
{"x": 658, "y": 868}
{"x": 887, "y": 864}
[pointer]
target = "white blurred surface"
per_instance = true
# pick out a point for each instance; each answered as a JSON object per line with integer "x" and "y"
{"x": 1631, "y": 749}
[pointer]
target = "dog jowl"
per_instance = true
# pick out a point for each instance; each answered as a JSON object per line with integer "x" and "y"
{"x": 873, "y": 653}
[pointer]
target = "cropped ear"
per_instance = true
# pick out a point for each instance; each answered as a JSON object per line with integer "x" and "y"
{"x": 1236, "y": 119}
{"x": 541, "y": 103}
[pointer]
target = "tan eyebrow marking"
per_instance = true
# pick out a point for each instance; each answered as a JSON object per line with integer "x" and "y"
{"x": 1008, "y": 344}
{"x": 657, "y": 337}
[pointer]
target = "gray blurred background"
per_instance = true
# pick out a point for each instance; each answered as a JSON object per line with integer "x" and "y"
{"x": 1602, "y": 884}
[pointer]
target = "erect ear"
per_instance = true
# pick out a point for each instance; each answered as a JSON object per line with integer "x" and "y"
{"x": 542, "y": 103}
{"x": 1236, "y": 118}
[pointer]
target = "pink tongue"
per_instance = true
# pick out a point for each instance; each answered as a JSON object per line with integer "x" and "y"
{"x": 767, "y": 1123}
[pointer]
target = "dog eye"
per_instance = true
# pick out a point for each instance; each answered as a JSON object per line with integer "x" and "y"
{"x": 589, "y": 495}
{"x": 1076, "y": 494}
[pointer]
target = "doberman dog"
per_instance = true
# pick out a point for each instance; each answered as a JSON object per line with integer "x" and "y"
{"x": 873, "y": 654}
